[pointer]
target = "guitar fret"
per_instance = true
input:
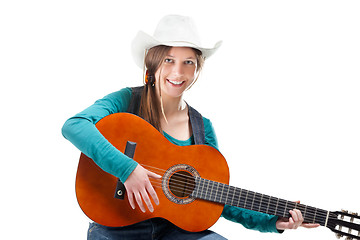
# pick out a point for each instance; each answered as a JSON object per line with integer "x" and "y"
{"x": 281, "y": 207}
{"x": 222, "y": 190}
{"x": 232, "y": 201}
{"x": 202, "y": 189}
{"x": 267, "y": 209}
{"x": 285, "y": 209}
{"x": 277, "y": 204}
{"x": 238, "y": 203}
{"x": 315, "y": 215}
{"x": 219, "y": 185}
{"x": 207, "y": 187}
{"x": 212, "y": 197}
{"x": 264, "y": 204}
{"x": 262, "y": 195}
{"x": 217, "y": 188}
{"x": 250, "y": 199}
{"x": 227, "y": 195}
{"x": 273, "y": 204}
{"x": 247, "y": 192}
{"x": 252, "y": 203}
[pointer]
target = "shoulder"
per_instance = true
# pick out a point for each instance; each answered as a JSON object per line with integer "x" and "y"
{"x": 210, "y": 136}
{"x": 122, "y": 93}
{"x": 119, "y": 100}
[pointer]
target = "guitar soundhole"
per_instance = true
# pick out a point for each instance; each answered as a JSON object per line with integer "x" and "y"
{"x": 182, "y": 184}
{"x": 178, "y": 183}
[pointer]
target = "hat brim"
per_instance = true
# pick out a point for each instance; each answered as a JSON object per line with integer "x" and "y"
{"x": 143, "y": 42}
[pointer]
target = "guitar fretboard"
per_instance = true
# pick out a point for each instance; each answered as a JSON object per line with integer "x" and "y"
{"x": 233, "y": 196}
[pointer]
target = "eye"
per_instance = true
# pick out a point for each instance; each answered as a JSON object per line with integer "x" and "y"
{"x": 189, "y": 62}
{"x": 168, "y": 60}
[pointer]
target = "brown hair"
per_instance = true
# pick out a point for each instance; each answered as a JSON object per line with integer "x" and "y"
{"x": 150, "y": 107}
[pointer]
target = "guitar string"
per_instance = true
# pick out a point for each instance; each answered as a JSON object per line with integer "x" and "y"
{"x": 158, "y": 184}
{"x": 270, "y": 208}
{"x": 255, "y": 204}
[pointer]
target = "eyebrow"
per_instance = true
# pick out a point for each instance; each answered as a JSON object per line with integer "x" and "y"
{"x": 185, "y": 58}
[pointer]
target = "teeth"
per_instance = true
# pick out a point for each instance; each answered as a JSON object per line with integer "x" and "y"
{"x": 175, "y": 83}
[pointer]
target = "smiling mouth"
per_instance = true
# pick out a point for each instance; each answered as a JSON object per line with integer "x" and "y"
{"x": 176, "y": 83}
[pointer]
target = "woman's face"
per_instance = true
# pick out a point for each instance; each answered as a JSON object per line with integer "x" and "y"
{"x": 177, "y": 71}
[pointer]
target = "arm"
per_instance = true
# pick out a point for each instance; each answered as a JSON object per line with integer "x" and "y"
{"x": 81, "y": 131}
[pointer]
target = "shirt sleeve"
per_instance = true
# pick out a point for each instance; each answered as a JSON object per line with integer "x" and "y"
{"x": 81, "y": 131}
{"x": 249, "y": 219}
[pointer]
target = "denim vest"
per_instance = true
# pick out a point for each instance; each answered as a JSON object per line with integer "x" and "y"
{"x": 196, "y": 121}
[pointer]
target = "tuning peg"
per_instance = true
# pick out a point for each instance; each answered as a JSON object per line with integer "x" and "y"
{"x": 354, "y": 214}
{"x": 338, "y": 235}
{"x": 348, "y": 238}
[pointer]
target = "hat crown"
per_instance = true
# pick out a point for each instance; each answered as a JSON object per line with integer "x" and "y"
{"x": 174, "y": 31}
{"x": 175, "y": 28}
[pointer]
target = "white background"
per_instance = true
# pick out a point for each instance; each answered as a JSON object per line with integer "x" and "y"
{"x": 282, "y": 93}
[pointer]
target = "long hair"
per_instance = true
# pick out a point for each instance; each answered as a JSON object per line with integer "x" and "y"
{"x": 150, "y": 105}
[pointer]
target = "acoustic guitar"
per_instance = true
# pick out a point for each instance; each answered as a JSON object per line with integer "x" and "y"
{"x": 192, "y": 191}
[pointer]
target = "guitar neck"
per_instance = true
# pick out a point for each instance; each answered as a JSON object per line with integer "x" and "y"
{"x": 233, "y": 196}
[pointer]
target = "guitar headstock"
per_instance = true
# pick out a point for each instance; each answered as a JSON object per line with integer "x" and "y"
{"x": 344, "y": 224}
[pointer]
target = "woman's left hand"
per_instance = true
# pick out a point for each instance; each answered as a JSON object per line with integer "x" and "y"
{"x": 295, "y": 221}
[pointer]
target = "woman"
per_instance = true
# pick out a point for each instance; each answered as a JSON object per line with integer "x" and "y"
{"x": 172, "y": 61}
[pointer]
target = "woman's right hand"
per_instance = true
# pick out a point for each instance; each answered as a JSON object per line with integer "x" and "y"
{"x": 138, "y": 186}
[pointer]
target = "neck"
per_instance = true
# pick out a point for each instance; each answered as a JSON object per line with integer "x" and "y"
{"x": 225, "y": 194}
{"x": 171, "y": 105}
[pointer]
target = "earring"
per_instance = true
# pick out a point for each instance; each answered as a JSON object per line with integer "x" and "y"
{"x": 146, "y": 77}
{"x": 149, "y": 79}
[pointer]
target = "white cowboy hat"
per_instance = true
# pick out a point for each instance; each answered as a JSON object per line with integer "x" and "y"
{"x": 172, "y": 30}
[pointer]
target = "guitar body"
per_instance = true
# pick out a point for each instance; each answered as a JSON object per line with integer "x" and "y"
{"x": 95, "y": 188}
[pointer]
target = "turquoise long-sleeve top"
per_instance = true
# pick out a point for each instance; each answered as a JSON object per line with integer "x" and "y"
{"x": 80, "y": 130}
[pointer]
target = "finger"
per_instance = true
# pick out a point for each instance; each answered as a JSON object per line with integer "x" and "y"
{"x": 131, "y": 200}
{"x": 294, "y": 219}
{"x": 298, "y": 215}
{"x": 139, "y": 201}
{"x": 294, "y": 215}
{"x": 291, "y": 224}
{"x": 310, "y": 225}
{"x": 152, "y": 175}
{"x": 147, "y": 201}
{"x": 153, "y": 194}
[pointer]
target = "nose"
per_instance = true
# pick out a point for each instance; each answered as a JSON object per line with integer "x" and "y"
{"x": 178, "y": 69}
